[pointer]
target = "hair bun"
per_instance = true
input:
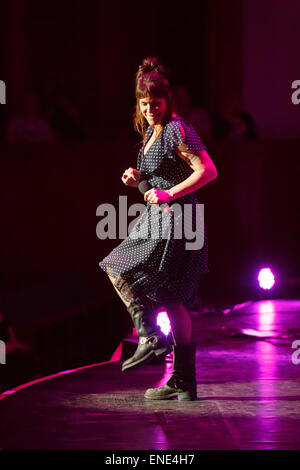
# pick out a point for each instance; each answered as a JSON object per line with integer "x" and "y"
{"x": 151, "y": 64}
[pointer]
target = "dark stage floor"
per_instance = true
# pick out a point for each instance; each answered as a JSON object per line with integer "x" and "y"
{"x": 248, "y": 389}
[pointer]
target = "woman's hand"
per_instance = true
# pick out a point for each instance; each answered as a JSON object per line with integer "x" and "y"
{"x": 131, "y": 177}
{"x": 158, "y": 196}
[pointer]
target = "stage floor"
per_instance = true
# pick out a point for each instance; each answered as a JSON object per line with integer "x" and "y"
{"x": 248, "y": 394}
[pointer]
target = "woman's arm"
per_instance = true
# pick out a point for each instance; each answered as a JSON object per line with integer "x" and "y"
{"x": 204, "y": 172}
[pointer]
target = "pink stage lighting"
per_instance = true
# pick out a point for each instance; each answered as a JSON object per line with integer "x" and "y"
{"x": 163, "y": 322}
{"x": 266, "y": 279}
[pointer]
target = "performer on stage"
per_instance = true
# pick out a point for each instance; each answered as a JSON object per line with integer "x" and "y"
{"x": 148, "y": 269}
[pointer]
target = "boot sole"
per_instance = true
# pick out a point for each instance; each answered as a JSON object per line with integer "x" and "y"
{"x": 182, "y": 396}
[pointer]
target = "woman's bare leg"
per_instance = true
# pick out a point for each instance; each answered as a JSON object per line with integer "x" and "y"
{"x": 112, "y": 279}
{"x": 181, "y": 322}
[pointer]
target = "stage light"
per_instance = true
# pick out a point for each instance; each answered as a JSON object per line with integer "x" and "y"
{"x": 163, "y": 322}
{"x": 266, "y": 279}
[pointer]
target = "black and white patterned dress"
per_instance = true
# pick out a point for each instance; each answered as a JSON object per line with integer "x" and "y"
{"x": 154, "y": 260}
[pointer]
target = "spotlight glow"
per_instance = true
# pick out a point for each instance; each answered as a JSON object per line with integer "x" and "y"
{"x": 266, "y": 278}
{"x": 163, "y": 322}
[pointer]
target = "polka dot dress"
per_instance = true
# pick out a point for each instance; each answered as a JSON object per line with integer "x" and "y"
{"x": 162, "y": 258}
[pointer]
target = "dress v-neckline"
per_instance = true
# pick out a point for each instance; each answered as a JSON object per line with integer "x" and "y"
{"x": 145, "y": 153}
{"x": 174, "y": 116}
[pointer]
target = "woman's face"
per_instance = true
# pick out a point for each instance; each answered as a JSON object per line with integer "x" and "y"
{"x": 153, "y": 109}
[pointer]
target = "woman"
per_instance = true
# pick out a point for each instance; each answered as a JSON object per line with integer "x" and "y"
{"x": 149, "y": 269}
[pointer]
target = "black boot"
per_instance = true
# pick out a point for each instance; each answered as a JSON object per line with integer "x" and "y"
{"x": 152, "y": 342}
{"x": 183, "y": 383}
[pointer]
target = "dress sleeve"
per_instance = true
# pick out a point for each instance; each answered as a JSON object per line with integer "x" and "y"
{"x": 180, "y": 132}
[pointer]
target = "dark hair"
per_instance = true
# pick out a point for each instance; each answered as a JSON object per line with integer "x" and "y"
{"x": 151, "y": 80}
